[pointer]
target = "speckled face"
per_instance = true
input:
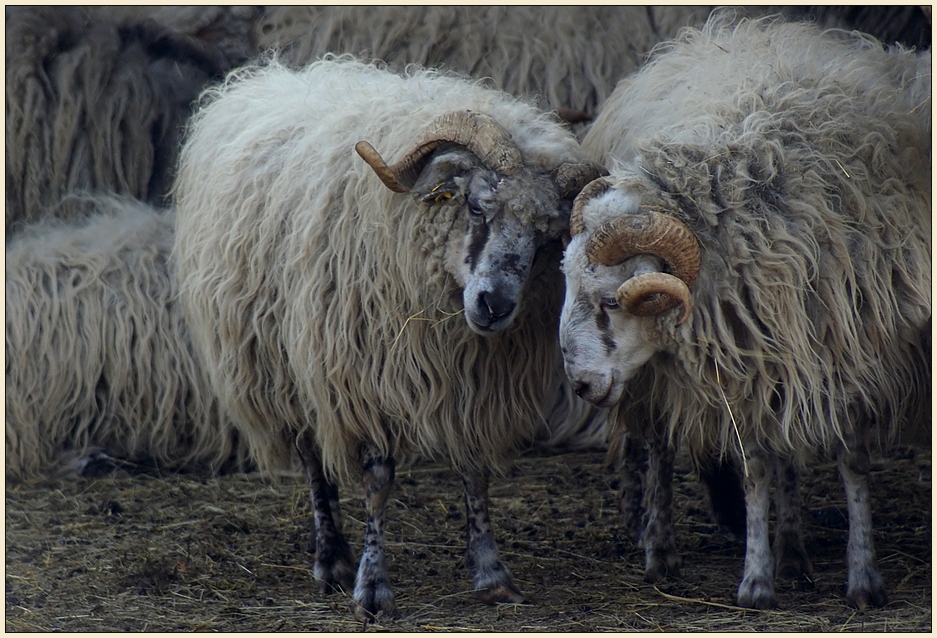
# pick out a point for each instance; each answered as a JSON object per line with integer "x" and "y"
{"x": 500, "y": 223}
{"x": 603, "y": 344}
{"x": 508, "y": 220}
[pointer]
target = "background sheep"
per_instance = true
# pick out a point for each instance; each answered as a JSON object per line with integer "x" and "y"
{"x": 907, "y": 25}
{"x": 97, "y": 355}
{"x": 327, "y": 305}
{"x": 784, "y": 169}
{"x": 571, "y": 57}
{"x": 95, "y": 104}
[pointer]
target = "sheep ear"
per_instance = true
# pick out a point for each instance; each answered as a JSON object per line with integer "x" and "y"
{"x": 439, "y": 181}
{"x": 440, "y": 193}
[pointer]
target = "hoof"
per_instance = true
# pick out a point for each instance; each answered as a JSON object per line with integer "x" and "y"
{"x": 757, "y": 595}
{"x": 337, "y": 575}
{"x": 869, "y": 591}
{"x": 790, "y": 559}
{"x": 661, "y": 564}
{"x": 864, "y": 599}
{"x": 508, "y": 593}
{"x": 793, "y": 565}
{"x": 374, "y": 600}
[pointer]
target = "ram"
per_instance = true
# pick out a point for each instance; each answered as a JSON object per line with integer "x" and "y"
{"x": 360, "y": 311}
{"x": 98, "y": 104}
{"x": 97, "y": 355}
{"x": 754, "y": 276}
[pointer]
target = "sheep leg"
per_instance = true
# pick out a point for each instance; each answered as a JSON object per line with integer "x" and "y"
{"x": 633, "y": 471}
{"x": 492, "y": 579}
{"x": 756, "y": 590}
{"x": 865, "y": 586}
{"x": 334, "y": 562}
{"x": 790, "y": 555}
{"x": 660, "y": 549}
{"x": 373, "y": 594}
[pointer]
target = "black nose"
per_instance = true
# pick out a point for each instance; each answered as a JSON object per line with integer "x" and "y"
{"x": 496, "y": 305}
{"x": 581, "y": 388}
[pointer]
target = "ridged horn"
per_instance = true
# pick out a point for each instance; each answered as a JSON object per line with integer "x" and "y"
{"x": 571, "y": 177}
{"x": 593, "y": 189}
{"x": 653, "y": 293}
{"x": 477, "y": 132}
{"x": 650, "y": 232}
{"x": 647, "y": 232}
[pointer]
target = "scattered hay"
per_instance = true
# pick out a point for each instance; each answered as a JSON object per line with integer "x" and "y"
{"x": 188, "y": 553}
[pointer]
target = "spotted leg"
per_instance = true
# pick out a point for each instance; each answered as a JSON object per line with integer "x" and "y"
{"x": 790, "y": 555}
{"x": 493, "y": 581}
{"x": 334, "y": 562}
{"x": 756, "y": 590}
{"x": 658, "y": 538}
{"x": 865, "y": 586}
{"x": 373, "y": 594}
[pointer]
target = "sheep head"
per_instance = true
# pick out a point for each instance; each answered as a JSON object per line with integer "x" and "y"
{"x": 509, "y": 209}
{"x": 626, "y": 263}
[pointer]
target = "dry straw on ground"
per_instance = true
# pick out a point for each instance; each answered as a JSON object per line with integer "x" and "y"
{"x": 231, "y": 554}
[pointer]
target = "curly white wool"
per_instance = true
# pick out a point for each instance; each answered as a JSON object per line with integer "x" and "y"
{"x": 320, "y": 299}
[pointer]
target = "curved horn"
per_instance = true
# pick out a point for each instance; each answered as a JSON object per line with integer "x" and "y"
{"x": 477, "y": 132}
{"x": 647, "y": 232}
{"x": 571, "y": 177}
{"x": 593, "y": 189}
{"x": 653, "y": 293}
{"x": 370, "y": 155}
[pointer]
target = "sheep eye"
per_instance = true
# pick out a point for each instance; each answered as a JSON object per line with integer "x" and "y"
{"x": 609, "y": 303}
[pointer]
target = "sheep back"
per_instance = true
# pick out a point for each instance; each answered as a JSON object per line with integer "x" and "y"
{"x": 320, "y": 299}
{"x": 96, "y": 349}
{"x": 793, "y": 158}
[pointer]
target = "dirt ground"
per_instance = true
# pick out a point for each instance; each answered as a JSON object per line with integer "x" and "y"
{"x": 231, "y": 554}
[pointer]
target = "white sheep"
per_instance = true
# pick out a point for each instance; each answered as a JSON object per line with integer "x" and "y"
{"x": 570, "y": 57}
{"x": 567, "y": 58}
{"x": 97, "y": 355}
{"x": 768, "y": 211}
{"x": 98, "y": 104}
{"x": 360, "y": 317}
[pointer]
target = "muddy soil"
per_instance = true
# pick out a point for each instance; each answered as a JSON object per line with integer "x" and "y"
{"x": 191, "y": 553}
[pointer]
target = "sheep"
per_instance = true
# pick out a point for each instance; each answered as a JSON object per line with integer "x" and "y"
{"x": 96, "y": 104}
{"x": 571, "y": 57}
{"x": 325, "y": 301}
{"x": 768, "y": 210}
{"x": 98, "y": 361}
{"x": 567, "y": 58}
